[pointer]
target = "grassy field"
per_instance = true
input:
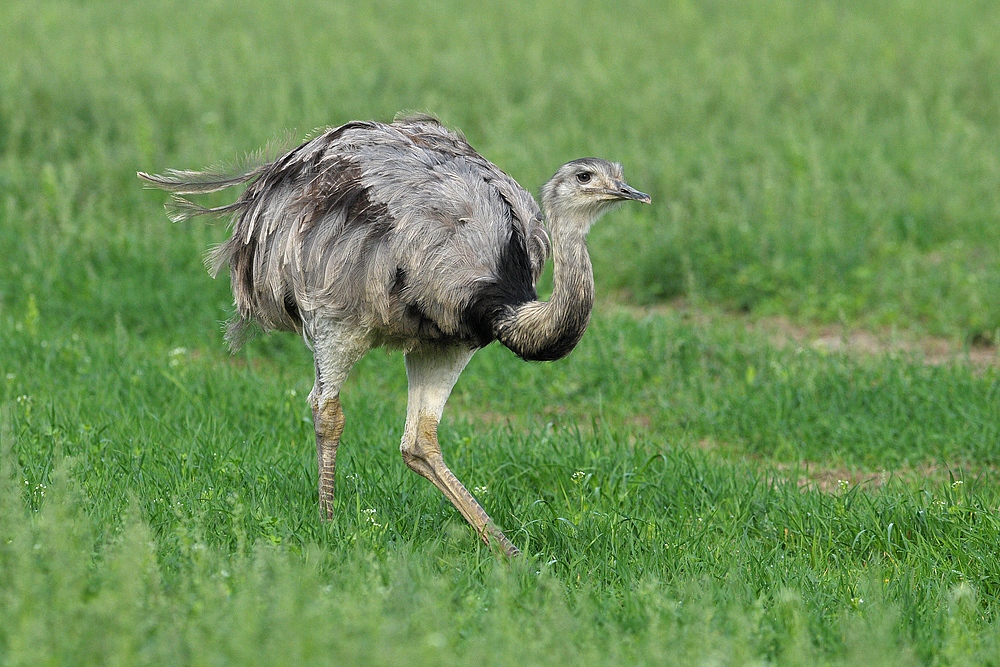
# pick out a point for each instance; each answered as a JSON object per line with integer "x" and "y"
{"x": 686, "y": 489}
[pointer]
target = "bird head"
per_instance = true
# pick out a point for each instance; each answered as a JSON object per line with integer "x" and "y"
{"x": 583, "y": 190}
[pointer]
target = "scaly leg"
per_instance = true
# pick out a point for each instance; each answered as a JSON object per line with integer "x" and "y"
{"x": 336, "y": 351}
{"x": 432, "y": 373}
{"x": 328, "y": 420}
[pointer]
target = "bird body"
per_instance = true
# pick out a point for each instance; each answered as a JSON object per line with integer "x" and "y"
{"x": 396, "y": 228}
{"x": 401, "y": 235}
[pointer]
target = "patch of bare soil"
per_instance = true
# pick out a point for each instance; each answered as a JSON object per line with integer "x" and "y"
{"x": 933, "y": 350}
{"x": 809, "y": 475}
{"x": 831, "y": 479}
{"x": 781, "y": 332}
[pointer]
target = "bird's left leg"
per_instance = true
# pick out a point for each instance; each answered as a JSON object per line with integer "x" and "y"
{"x": 432, "y": 373}
{"x": 336, "y": 351}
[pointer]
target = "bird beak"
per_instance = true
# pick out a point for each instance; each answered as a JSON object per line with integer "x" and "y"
{"x": 624, "y": 191}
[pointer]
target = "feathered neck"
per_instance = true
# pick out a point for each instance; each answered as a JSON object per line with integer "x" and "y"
{"x": 549, "y": 330}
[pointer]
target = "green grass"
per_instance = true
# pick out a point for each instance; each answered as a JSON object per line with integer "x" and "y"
{"x": 827, "y": 162}
{"x": 208, "y": 463}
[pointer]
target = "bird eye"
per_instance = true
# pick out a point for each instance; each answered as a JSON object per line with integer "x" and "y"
{"x": 583, "y": 177}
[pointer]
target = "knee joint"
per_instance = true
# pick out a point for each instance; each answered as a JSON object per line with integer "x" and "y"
{"x": 328, "y": 417}
{"x": 421, "y": 444}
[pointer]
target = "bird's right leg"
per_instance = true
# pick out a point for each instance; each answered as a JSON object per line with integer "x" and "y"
{"x": 335, "y": 352}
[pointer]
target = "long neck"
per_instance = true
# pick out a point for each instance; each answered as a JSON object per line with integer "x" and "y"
{"x": 549, "y": 330}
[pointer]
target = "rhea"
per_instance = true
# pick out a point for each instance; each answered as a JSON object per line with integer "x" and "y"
{"x": 400, "y": 235}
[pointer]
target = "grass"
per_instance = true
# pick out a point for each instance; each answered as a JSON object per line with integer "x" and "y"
{"x": 830, "y": 162}
{"x": 208, "y": 462}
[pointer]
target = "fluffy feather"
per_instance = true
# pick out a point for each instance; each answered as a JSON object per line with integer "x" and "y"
{"x": 399, "y": 228}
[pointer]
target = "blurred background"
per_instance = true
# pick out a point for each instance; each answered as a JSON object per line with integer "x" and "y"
{"x": 684, "y": 484}
{"x": 832, "y": 162}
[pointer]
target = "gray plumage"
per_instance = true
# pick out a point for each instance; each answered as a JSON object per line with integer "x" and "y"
{"x": 401, "y": 235}
{"x": 393, "y": 227}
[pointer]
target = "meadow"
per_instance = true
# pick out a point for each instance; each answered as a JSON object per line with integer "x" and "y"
{"x": 687, "y": 487}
